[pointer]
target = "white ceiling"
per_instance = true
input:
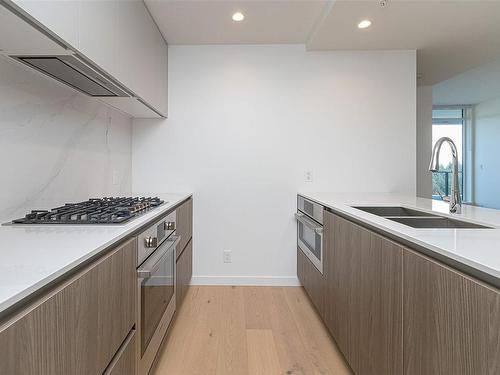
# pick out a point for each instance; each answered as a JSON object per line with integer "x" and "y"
{"x": 471, "y": 87}
{"x": 209, "y": 22}
{"x": 451, "y": 36}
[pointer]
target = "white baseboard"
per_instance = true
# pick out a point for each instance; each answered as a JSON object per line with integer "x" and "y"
{"x": 246, "y": 280}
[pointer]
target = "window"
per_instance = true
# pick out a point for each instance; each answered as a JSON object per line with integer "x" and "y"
{"x": 448, "y": 122}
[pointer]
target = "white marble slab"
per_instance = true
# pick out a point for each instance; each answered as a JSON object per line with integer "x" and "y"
{"x": 57, "y": 145}
{"x": 476, "y": 248}
{"x": 33, "y": 256}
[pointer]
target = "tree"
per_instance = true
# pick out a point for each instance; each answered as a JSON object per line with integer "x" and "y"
{"x": 439, "y": 186}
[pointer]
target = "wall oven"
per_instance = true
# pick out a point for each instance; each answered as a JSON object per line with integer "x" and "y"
{"x": 156, "y": 287}
{"x": 310, "y": 230}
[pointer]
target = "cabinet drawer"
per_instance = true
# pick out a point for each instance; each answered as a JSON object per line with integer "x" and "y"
{"x": 77, "y": 327}
{"x": 312, "y": 281}
{"x": 124, "y": 362}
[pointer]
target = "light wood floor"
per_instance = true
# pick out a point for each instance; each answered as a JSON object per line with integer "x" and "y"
{"x": 248, "y": 331}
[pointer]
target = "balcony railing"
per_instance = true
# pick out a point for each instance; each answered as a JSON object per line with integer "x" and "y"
{"x": 441, "y": 183}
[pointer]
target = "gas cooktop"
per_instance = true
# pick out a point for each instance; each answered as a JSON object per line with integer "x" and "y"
{"x": 94, "y": 211}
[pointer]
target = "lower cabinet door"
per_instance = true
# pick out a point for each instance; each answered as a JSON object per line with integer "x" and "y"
{"x": 312, "y": 281}
{"x": 78, "y": 327}
{"x": 184, "y": 224}
{"x": 184, "y": 272}
{"x": 363, "y": 296}
{"x": 124, "y": 362}
{"x": 451, "y": 322}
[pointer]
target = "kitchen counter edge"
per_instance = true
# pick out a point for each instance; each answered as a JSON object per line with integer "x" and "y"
{"x": 481, "y": 271}
{"x": 24, "y": 297}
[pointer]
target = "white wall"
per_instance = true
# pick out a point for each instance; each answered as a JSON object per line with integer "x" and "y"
{"x": 424, "y": 141}
{"x": 246, "y": 122}
{"x": 486, "y": 158}
{"x": 56, "y": 145}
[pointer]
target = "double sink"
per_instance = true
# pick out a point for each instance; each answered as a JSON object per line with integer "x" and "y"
{"x": 418, "y": 219}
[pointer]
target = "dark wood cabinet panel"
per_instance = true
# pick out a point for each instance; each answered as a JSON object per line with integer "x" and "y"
{"x": 312, "y": 281}
{"x": 78, "y": 326}
{"x": 451, "y": 322}
{"x": 54, "y": 337}
{"x": 184, "y": 272}
{"x": 117, "y": 300}
{"x": 339, "y": 264}
{"x": 363, "y": 296}
{"x": 184, "y": 224}
{"x": 125, "y": 360}
{"x": 381, "y": 333}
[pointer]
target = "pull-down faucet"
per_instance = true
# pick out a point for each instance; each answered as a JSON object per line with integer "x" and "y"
{"x": 455, "y": 199}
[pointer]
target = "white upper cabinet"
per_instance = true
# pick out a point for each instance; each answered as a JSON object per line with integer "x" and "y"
{"x": 118, "y": 37}
{"x": 97, "y": 32}
{"x": 60, "y": 17}
{"x": 32, "y": 41}
{"x": 141, "y": 59}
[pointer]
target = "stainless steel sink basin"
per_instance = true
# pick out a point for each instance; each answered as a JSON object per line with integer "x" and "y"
{"x": 417, "y": 219}
{"x": 435, "y": 222}
{"x": 393, "y": 211}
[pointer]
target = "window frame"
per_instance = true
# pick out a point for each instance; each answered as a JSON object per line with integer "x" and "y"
{"x": 466, "y": 162}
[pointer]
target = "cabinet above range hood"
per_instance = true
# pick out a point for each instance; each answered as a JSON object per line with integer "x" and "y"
{"x": 32, "y": 39}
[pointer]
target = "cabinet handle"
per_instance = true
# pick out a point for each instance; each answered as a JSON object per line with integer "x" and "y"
{"x": 309, "y": 223}
{"x": 154, "y": 262}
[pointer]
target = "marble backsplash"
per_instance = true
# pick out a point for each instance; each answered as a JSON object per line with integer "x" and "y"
{"x": 57, "y": 145}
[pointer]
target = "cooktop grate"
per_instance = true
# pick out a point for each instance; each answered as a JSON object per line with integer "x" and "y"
{"x": 94, "y": 211}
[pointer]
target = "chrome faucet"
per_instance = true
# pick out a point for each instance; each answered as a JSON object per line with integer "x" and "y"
{"x": 455, "y": 199}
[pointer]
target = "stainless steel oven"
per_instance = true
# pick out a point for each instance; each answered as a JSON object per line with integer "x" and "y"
{"x": 156, "y": 287}
{"x": 310, "y": 230}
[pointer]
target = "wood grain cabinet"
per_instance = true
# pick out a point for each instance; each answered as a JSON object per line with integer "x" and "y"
{"x": 184, "y": 273}
{"x": 312, "y": 281}
{"x": 184, "y": 224}
{"x": 363, "y": 296}
{"x": 125, "y": 360}
{"x": 184, "y": 251}
{"x": 379, "y": 295}
{"x": 451, "y": 322}
{"x": 77, "y": 327}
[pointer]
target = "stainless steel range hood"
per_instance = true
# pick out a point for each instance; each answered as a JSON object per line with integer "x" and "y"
{"x": 70, "y": 70}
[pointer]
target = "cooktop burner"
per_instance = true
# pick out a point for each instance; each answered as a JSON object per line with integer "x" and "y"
{"x": 93, "y": 211}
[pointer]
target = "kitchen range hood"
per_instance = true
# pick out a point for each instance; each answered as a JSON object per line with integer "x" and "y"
{"x": 26, "y": 41}
{"x": 72, "y": 71}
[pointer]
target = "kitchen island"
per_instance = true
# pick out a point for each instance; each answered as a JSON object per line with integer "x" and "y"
{"x": 404, "y": 300}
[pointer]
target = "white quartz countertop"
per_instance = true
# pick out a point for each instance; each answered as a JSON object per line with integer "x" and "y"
{"x": 33, "y": 256}
{"x": 475, "y": 248}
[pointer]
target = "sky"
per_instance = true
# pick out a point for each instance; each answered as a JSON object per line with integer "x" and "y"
{"x": 452, "y": 131}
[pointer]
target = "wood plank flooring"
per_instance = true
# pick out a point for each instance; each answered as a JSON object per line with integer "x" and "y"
{"x": 234, "y": 330}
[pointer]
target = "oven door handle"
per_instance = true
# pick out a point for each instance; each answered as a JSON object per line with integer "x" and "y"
{"x": 308, "y": 223}
{"x": 149, "y": 267}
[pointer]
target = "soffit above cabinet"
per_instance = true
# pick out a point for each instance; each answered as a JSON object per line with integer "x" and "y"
{"x": 97, "y": 36}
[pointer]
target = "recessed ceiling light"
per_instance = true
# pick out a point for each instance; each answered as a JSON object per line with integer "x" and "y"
{"x": 238, "y": 16}
{"x": 364, "y": 24}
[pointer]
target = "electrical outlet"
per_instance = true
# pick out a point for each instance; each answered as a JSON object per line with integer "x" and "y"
{"x": 308, "y": 176}
{"x": 227, "y": 256}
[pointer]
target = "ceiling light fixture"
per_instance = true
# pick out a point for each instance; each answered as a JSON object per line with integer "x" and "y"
{"x": 238, "y": 16}
{"x": 364, "y": 24}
